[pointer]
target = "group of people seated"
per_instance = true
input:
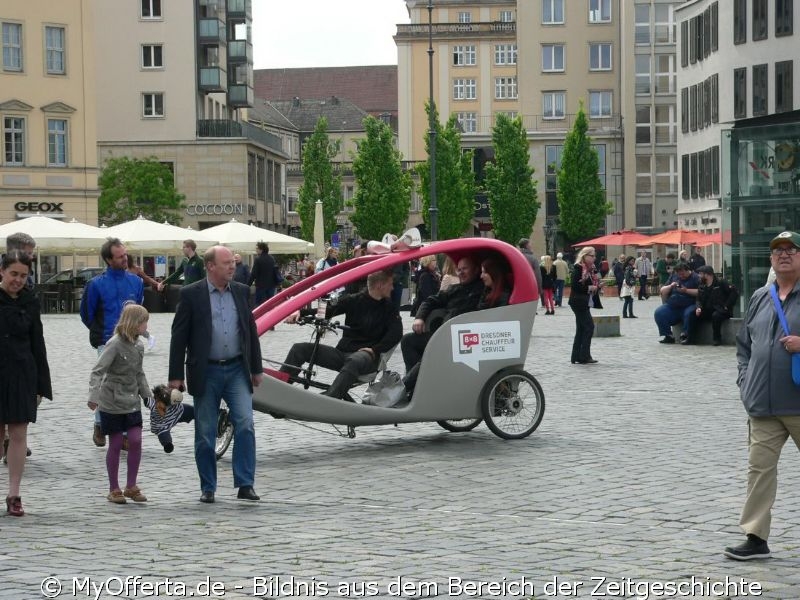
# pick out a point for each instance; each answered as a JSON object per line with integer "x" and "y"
{"x": 373, "y": 324}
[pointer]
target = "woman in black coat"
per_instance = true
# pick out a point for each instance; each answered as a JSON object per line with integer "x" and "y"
{"x": 585, "y": 287}
{"x": 427, "y": 281}
{"x": 24, "y": 372}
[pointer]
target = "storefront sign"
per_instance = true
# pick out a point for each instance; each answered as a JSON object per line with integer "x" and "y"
{"x": 194, "y": 210}
{"x": 44, "y": 207}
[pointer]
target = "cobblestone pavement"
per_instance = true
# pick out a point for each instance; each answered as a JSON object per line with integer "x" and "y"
{"x": 637, "y": 474}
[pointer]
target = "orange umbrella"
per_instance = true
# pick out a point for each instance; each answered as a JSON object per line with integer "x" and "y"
{"x": 618, "y": 238}
{"x": 675, "y": 237}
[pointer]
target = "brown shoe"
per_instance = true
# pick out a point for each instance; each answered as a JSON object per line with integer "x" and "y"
{"x": 135, "y": 494}
{"x": 116, "y": 497}
{"x": 97, "y": 436}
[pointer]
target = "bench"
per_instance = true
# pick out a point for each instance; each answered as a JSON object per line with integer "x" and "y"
{"x": 703, "y": 336}
{"x": 606, "y": 326}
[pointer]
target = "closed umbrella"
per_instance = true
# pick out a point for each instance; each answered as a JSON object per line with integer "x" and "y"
{"x": 319, "y": 230}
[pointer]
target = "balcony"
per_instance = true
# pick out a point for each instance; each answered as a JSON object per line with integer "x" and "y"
{"x": 458, "y": 30}
{"x": 224, "y": 128}
{"x": 240, "y": 95}
{"x": 240, "y": 9}
{"x": 240, "y": 51}
{"x": 211, "y": 31}
{"x": 213, "y": 79}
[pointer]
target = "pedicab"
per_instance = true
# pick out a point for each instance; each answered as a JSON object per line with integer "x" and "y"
{"x": 472, "y": 368}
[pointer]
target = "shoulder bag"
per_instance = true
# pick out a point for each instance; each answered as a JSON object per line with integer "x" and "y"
{"x": 785, "y": 325}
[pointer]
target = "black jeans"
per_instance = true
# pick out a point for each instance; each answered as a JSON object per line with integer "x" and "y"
{"x": 349, "y": 364}
{"x": 717, "y": 317}
{"x": 584, "y": 330}
{"x": 643, "y": 287}
{"x": 627, "y": 306}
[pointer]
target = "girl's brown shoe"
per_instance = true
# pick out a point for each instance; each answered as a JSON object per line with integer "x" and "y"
{"x": 116, "y": 497}
{"x": 135, "y": 494}
{"x": 14, "y": 506}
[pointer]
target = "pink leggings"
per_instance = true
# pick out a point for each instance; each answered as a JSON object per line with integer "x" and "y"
{"x": 134, "y": 456}
{"x": 547, "y": 294}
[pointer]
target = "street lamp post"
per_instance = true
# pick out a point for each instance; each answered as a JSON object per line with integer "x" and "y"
{"x": 433, "y": 210}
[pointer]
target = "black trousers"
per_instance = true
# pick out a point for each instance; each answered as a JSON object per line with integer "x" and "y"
{"x": 584, "y": 330}
{"x": 643, "y": 287}
{"x": 717, "y": 317}
{"x": 349, "y": 364}
{"x": 413, "y": 346}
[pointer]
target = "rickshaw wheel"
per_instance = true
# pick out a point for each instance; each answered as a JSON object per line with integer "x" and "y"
{"x": 224, "y": 433}
{"x": 459, "y": 425}
{"x": 512, "y": 402}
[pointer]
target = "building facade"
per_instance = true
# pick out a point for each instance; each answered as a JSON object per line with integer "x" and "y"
{"x": 47, "y": 111}
{"x": 174, "y": 81}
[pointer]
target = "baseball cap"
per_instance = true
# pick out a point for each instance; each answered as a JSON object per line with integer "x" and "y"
{"x": 705, "y": 269}
{"x": 787, "y": 236}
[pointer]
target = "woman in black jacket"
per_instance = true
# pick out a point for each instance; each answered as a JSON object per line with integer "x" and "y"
{"x": 584, "y": 290}
{"x": 427, "y": 281}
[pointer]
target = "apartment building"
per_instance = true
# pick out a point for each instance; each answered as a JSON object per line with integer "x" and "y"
{"x": 740, "y": 142}
{"x": 536, "y": 60}
{"x": 47, "y": 111}
{"x": 174, "y": 80}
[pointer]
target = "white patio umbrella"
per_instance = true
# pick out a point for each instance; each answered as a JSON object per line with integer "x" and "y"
{"x": 54, "y": 236}
{"x": 243, "y": 238}
{"x": 319, "y": 230}
{"x": 148, "y": 237}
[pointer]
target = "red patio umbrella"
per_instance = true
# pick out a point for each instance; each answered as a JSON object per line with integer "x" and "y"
{"x": 618, "y": 238}
{"x": 674, "y": 237}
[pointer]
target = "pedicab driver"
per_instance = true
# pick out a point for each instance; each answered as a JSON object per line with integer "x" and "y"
{"x": 374, "y": 327}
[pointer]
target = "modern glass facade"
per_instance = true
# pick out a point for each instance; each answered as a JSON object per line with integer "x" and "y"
{"x": 760, "y": 194}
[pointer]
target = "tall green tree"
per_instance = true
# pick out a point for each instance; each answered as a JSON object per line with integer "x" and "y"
{"x": 383, "y": 189}
{"x": 513, "y": 200}
{"x": 582, "y": 201}
{"x": 455, "y": 182}
{"x": 320, "y": 182}
{"x": 130, "y": 187}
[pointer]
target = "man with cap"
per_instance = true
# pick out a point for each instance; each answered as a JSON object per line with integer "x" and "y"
{"x": 715, "y": 301}
{"x": 679, "y": 296}
{"x": 562, "y": 269}
{"x": 771, "y": 400}
{"x": 524, "y": 246}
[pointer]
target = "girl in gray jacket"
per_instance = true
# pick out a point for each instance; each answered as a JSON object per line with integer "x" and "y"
{"x": 115, "y": 386}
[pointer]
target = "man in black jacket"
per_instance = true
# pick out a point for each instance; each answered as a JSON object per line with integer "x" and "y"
{"x": 455, "y": 300}
{"x": 263, "y": 274}
{"x": 373, "y": 327}
{"x": 715, "y": 301}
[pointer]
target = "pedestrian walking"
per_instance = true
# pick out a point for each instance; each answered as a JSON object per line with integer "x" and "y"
{"x": 117, "y": 386}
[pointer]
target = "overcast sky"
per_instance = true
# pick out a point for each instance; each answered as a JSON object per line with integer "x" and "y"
{"x": 323, "y": 33}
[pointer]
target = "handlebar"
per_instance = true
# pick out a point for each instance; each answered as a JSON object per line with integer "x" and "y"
{"x": 321, "y": 324}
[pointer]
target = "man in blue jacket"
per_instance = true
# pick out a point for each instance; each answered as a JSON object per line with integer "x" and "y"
{"x": 764, "y": 353}
{"x": 680, "y": 297}
{"x": 102, "y": 302}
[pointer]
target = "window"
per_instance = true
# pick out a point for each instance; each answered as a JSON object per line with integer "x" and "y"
{"x": 552, "y": 57}
{"x": 552, "y": 157}
{"x": 707, "y": 102}
{"x": 464, "y": 89}
{"x": 643, "y": 124}
{"x": 511, "y": 114}
{"x": 664, "y": 25}
{"x": 783, "y": 86}
{"x": 715, "y": 27}
{"x": 465, "y": 17}
{"x": 56, "y": 143}
{"x": 14, "y": 140}
{"x": 152, "y": 56}
{"x": 685, "y": 109}
{"x": 760, "y": 27}
{"x": 739, "y": 21}
{"x": 740, "y": 93}
{"x": 644, "y": 215}
{"x": 644, "y": 175}
{"x": 505, "y": 88}
{"x": 714, "y": 98}
{"x": 684, "y": 43}
{"x": 601, "y": 163}
{"x": 642, "y": 85}
{"x": 506, "y": 16}
{"x": 505, "y": 54}
{"x": 695, "y": 174}
{"x": 642, "y": 16}
{"x": 599, "y": 105}
{"x": 553, "y": 105}
{"x": 665, "y": 74}
{"x": 54, "y": 40}
{"x": 693, "y": 104}
{"x": 599, "y": 11}
{"x": 692, "y": 40}
{"x": 600, "y": 57}
{"x": 12, "y": 47}
{"x": 463, "y": 55}
{"x": 468, "y": 121}
{"x": 707, "y": 32}
{"x": 666, "y": 127}
{"x": 153, "y": 105}
{"x": 715, "y": 170}
{"x": 783, "y": 18}
{"x": 760, "y": 85}
{"x": 685, "y": 177}
{"x": 552, "y": 12}
{"x": 151, "y": 9}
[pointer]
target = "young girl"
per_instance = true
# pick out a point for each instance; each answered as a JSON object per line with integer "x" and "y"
{"x": 116, "y": 383}
{"x": 548, "y": 284}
